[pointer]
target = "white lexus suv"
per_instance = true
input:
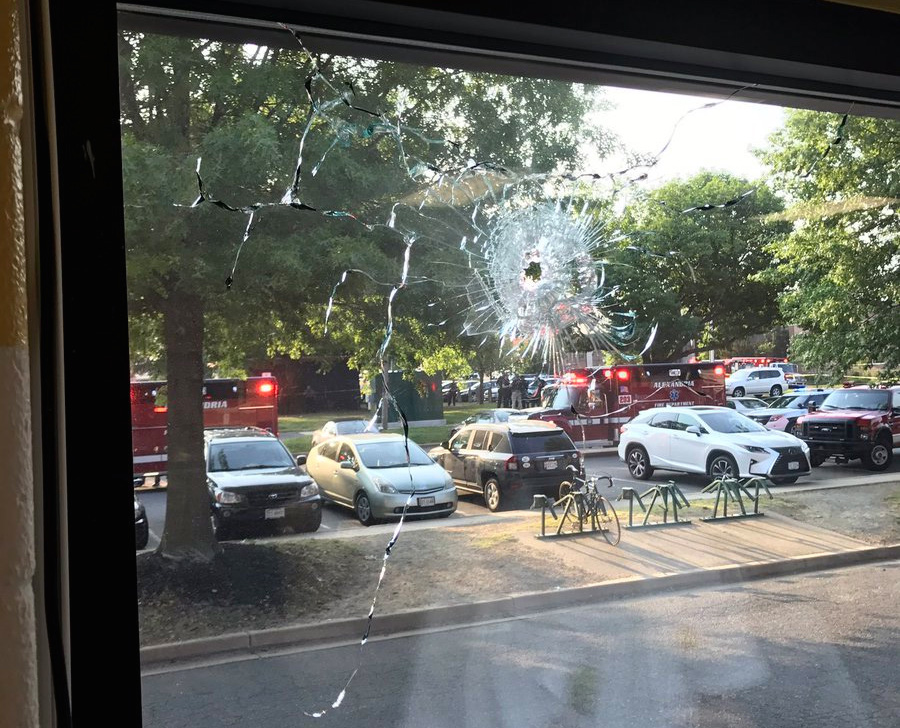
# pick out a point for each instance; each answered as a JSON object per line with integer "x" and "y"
{"x": 713, "y": 441}
{"x": 767, "y": 381}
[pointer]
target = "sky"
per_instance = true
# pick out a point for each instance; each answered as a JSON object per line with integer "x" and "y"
{"x": 719, "y": 138}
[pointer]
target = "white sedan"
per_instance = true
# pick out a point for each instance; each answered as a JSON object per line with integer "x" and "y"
{"x": 713, "y": 441}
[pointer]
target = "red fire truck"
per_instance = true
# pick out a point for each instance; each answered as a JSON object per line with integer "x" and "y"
{"x": 592, "y": 404}
{"x": 226, "y": 402}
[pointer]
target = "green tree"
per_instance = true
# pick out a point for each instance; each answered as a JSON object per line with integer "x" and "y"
{"x": 840, "y": 265}
{"x": 693, "y": 273}
{"x": 243, "y": 110}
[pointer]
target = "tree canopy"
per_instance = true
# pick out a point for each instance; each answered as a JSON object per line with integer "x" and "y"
{"x": 693, "y": 273}
{"x": 840, "y": 265}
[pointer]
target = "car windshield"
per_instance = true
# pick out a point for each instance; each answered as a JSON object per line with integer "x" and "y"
{"x": 569, "y": 395}
{"x": 788, "y": 400}
{"x": 253, "y": 455}
{"x": 753, "y": 404}
{"x": 391, "y": 454}
{"x": 351, "y": 427}
{"x": 859, "y": 399}
{"x": 731, "y": 422}
{"x": 535, "y": 442}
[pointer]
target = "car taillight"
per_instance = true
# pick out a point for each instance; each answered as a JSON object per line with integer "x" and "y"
{"x": 266, "y": 388}
{"x": 623, "y": 428}
{"x": 623, "y": 374}
{"x": 160, "y": 410}
{"x": 512, "y": 463}
{"x": 719, "y": 371}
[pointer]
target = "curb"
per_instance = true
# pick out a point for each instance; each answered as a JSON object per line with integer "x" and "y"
{"x": 344, "y": 630}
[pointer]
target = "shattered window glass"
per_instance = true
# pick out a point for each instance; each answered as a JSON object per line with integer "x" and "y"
{"x": 337, "y": 236}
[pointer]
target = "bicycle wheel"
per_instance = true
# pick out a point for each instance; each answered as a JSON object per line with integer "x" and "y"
{"x": 571, "y": 520}
{"x": 609, "y": 521}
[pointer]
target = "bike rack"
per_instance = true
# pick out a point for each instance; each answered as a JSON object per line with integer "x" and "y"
{"x": 667, "y": 494}
{"x": 734, "y": 487}
{"x": 546, "y": 503}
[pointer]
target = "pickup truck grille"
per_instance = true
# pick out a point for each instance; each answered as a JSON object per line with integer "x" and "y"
{"x": 835, "y": 431}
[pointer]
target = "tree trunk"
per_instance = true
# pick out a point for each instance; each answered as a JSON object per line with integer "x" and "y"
{"x": 480, "y": 387}
{"x": 187, "y": 535}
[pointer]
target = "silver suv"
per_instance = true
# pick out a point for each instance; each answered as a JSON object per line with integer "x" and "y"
{"x": 766, "y": 381}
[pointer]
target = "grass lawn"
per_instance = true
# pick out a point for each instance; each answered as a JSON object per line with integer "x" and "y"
{"x": 421, "y": 435}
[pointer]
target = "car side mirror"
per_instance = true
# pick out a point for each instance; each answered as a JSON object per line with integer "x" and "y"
{"x": 347, "y": 465}
{"x": 812, "y": 407}
{"x": 138, "y": 481}
{"x": 301, "y": 460}
{"x": 445, "y": 444}
{"x": 694, "y": 430}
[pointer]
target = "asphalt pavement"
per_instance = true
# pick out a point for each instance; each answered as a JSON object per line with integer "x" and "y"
{"x": 820, "y": 649}
{"x": 337, "y": 519}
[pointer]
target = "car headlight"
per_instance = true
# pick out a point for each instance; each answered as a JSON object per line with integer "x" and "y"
{"x": 227, "y": 496}
{"x": 384, "y": 486}
{"x": 137, "y": 506}
{"x": 754, "y": 448}
{"x": 448, "y": 484}
{"x": 309, "y": 490}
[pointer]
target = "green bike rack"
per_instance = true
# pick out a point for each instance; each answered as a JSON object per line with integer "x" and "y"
{"x": 668, "y": 495}
{"x": 726, "y": 488}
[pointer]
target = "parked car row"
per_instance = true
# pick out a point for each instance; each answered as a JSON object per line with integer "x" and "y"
{"x": 498, "y": 454}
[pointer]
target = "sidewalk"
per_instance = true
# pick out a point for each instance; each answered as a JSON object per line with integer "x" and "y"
{"x": 700, "y": 545}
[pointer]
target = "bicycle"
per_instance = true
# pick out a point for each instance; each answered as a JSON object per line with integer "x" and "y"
{"x": 586, "y": 505}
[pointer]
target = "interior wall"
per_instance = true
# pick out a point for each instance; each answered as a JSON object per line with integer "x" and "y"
{"x": 18, "y": 668}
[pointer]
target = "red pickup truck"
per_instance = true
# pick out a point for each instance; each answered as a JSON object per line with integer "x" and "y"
{"x": 857, "y": 423}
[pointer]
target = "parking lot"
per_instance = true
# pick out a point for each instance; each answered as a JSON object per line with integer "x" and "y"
{"x": 336, "y": 519}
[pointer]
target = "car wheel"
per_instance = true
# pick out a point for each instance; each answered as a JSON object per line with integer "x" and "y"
{"x": 879, "y": 456}
{"x": 638, "y": 463}
{"x": 492, "y": 496}
{"x": 775, "y": 391}
{"x": 722, "y": 466}
{"x": 308, "y": 523}
{"x": 142, "y": 536}
{"x": 816, "y": 459}
{"x": 220, "y": 531}
{"x": 363, "y": 509}
{"x": 738, "y": 392}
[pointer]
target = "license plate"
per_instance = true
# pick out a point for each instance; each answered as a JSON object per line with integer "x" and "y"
{"x": 550, "y": 465}
{"x": 426, "y": 501}
{"x": 793, "y": 466}
{"x": 274, "y": 513}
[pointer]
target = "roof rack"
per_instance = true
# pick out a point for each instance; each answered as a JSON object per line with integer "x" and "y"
{"x": 239, "y": 428}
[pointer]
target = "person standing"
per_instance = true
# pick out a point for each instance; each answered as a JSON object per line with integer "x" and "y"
{"x": 453, "y": 393}
{"x": 539, "y": 388}
{"x": 517, "y": 391}
{"x": 503, "y": 390}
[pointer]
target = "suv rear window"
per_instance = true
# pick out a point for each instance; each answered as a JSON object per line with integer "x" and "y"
{"x": 534, "y": 442}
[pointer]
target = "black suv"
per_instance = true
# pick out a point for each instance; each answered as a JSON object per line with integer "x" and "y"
{"x": 252, "y": 478}
{"x": 499, "y": 460}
